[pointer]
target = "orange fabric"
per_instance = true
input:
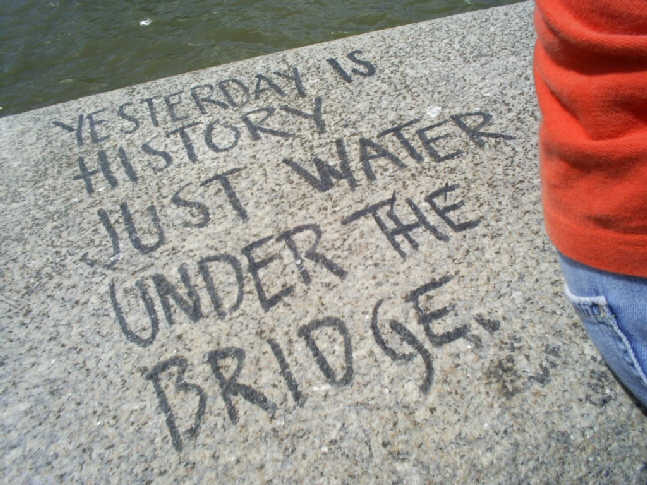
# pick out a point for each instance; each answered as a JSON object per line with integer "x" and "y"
{"x": 591, "y": 80}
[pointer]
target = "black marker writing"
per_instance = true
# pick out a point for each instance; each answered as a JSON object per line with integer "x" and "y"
{"x": 180, "y": 385}
{"x": 230, "y": 386}
{"x": 307, "y": 331}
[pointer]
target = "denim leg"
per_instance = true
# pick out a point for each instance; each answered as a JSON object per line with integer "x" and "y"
{"x": 613, "y": 308}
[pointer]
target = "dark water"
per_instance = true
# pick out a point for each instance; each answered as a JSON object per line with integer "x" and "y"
{"x": 54, "y": 51}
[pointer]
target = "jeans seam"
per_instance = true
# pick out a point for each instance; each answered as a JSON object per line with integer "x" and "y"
{"x": 608, "y": 319}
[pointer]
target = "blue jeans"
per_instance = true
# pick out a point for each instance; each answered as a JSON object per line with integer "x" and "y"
{"x": 613, "y": 308}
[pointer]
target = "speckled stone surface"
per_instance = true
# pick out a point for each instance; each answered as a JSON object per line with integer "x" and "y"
{"x": 240, "y": 276}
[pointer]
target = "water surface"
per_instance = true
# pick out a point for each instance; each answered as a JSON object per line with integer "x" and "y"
{"x": 55, "y": 51}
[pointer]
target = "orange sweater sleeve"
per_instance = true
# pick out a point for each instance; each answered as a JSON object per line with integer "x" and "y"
{"x": 591, "y": 79}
